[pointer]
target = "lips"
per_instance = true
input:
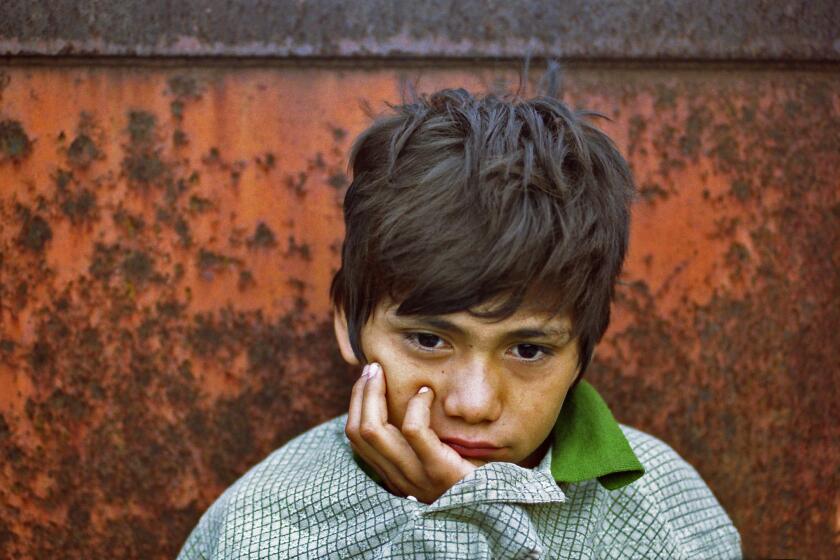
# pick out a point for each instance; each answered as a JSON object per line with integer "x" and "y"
{"x": 472, "y": 449}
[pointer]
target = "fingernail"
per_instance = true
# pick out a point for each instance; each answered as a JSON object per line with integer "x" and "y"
{"x": 365, "y": 370}
{"x": 423, "y": 390}
{"x": 374, "y": 369}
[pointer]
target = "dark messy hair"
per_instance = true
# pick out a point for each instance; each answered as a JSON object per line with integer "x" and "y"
{"x": 459, "y": 201}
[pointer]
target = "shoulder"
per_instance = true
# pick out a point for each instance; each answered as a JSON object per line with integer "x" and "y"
{"x": 680, "y": 507}
{"x": 265, "y": 486}
{"x": 666, "y": 472}
{"x": 662, "y": 464}
{"x": 306, "y": 454}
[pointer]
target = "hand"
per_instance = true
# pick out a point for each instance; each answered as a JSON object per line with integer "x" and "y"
{"x": 412, "y": 461}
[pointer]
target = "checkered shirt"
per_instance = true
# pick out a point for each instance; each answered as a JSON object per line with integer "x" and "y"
{"x": 309, "y": 499}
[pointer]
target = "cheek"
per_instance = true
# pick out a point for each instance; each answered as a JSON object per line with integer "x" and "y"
{"x": 403, "y": 384}
{"x": 537, "y": 421}
{"x": 403, "y": 378}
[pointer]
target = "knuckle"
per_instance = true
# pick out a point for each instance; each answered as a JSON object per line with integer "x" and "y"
{"x": 406, "y": 468}
{"x": 430, "y": 472}
{"x": 434, "y": 473}
{"x": 368, "y": 431}
{"x": 350, "y": 432}
{"x": 412, "y": 429}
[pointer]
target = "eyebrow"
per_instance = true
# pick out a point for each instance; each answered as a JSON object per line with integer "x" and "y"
{"x": 449, "y": 326}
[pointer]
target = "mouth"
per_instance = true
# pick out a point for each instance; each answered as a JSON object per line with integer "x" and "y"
{"x": 472, "y": 449}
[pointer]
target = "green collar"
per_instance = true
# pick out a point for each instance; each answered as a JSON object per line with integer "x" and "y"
{"x": 588, "y": 443}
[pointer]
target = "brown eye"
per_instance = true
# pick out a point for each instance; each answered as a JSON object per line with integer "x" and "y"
{"x": 427, "y": 340}
{"x": 530, "y": 352}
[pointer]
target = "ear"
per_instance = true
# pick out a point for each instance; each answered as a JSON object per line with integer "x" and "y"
{"x": 342, "y": 336}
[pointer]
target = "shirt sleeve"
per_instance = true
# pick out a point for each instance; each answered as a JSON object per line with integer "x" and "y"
{"x": 194, "y": 548}
{"x": 206, "y": 535}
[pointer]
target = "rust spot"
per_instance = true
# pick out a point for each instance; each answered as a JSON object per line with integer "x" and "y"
{"x": 142, "y": 163}
{"x": 318, "y": 162}
{"x": 35, "y": 231}
{"x": 184, "y": 87}
{"x": 177, "y": 109}
{"x": 650, "y": 192}
{"x": 266, "y": 162}
{"x": 665, "y": 97}
{"x": 297, "y": 183}
{"x": 295, "y": 248}
{"x": 695, "y": 126}
{"x": 246, "y": 280}
{"x": 263, "y": 237}
{"x": 182, "y": 228}
{"x": 41, "y": 358}
{"x": 338, "y": 133}
{"x": 83, "y": 150}
{"x": 210, "y": 262}
{"x": 77, "y": 203}
{"x": 741, "y": 190}
{"x": 128, "y": 223}
{"x": 138, "y": 267}
{"x": 15, "y": 145}
{"x": 103, "y": 264}
{"x": 144, "y": 168}
{"x": 180, "y": 138}
{"x": 338, "y": 180}
{"x": 199, "y": 204}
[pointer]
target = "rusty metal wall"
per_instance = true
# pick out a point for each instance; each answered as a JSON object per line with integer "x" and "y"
{"x": 581, "y": 29}
{"x": 168, "y": 235}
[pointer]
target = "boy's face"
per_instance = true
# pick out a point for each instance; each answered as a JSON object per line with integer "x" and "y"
{"x": 500, "y": 383}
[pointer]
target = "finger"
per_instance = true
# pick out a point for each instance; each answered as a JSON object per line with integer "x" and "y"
{"x": 354, "y": 414}
{"x": 439, "y": 460}
{"x": 353, "y": 427}
{"x": 389, "y": 448}
{"x": 392, "y": 478}
{"x": 354, "y": 419}
{"x": 374, "y": 427}
{"x": 416, "y": 424}
{"x": 375, "y": 408}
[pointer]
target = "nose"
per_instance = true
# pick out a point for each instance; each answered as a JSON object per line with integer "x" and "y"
{"x": 473, "y": 393}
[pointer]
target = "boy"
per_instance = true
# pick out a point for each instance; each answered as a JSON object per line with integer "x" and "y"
{"x": 483, "y": 240}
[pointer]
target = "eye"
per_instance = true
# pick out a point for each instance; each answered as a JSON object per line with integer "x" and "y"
{"x": 530, "y": 352}
{"x": 425, "y": 341}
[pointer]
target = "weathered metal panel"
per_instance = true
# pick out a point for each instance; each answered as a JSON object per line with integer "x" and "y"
{"x": 589, "y": 29}
{"x": 167, "y": 236}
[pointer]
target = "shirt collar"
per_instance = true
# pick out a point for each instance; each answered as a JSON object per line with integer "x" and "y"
{"x": 588, "y": 443}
